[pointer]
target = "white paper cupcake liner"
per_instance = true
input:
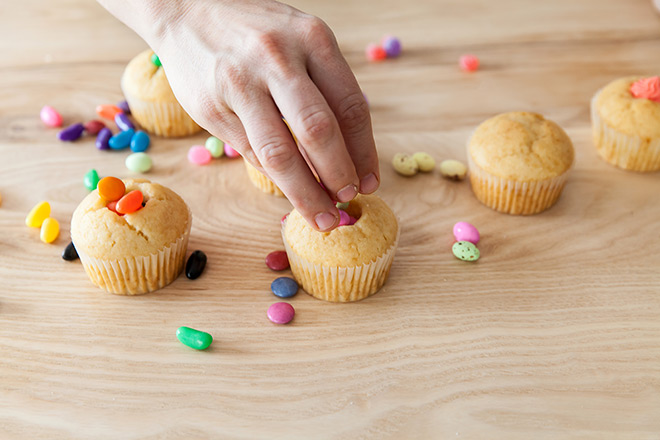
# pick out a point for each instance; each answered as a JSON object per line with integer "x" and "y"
{"x": 138, "y": 275}
{"x": 262, "y": 182}
{"x": 338, "y": 283}
{"x": 628, "y": 152}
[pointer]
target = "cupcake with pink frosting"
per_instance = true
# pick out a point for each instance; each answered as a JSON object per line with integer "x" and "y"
{"x": 625, "y": 116}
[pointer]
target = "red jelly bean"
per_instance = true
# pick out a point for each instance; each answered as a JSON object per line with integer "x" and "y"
{"x": 131, "y": 202}
{"x": 111, "y": 188}
{"x": 108, "y": 111}
{"x": 93, "y": 127}
{"x": 375, "y": 52}
{"x": 277, "y": 261}
{"x": 112, "y": 206}
{"x": 468, "y": 63}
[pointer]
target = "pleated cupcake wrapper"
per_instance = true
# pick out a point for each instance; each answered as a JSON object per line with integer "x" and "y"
{"x": 620, "y": 149}
{"x": 513, "y": 197}
{"x": 338, "y": 283}
{"x": 262, "y": 182}
{"x": 138, "y": 275}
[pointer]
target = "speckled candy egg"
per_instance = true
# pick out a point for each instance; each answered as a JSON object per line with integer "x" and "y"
{"x": 466, "y": 251}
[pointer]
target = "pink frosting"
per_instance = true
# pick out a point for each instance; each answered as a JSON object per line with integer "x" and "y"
{"x": 647, "y": 88}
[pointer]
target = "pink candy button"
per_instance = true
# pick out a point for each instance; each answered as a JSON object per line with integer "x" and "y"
{"x": 464, "y": 231}
{"x": 230, "y": 152}
{"x": 50, "y": 116}
{"x": 468, "y": 63}
{"x": 281, "y": 313}
{"x": 199, "y": 155}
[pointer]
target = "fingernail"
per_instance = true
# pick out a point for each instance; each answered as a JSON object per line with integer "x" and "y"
{"x": 369, "y": 184}
{"x": 347, "y": 193}
{"x": 325, "y": 221}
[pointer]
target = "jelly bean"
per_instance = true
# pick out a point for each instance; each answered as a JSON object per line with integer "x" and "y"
{"x": 215, "y": 146}
{"x": 281, "y": 313}
{"x": 466, "y": 251}
{"x": 230, "y": 152}
{"x": 121, "y": 140}
{"x": 199, "y": 155}
{"x": 103, "y": 138}
{"x": 283, "y": 219}
{"x": 342, "y": 205}
{"x": 123, "y": 106}
{"x": 130, "y": 202}
{"x": 464, "y": 231}
{"x": 138, "y": 162}
{"x": 468, "y": 63}
{"x": 424, "y": 161}
{"x": 404, "y": 164}
{"x": 344, "y": 218}
{"x": 392, "y": 46}
{"x": 140, "y": 142}
{"x": 375, "y": 52}
{"x": 93, "y": 127}
{"x": 155, "y": 60}
{"x": 91, "y": 179}
{"x": 452, "y": 169}
{"x": 50, "y": 229}
{"x": 112, "y": 206}
{"x": 50, "y": 116}
{"x": 123, "y": 122}
{"x": 352, "y": 221}
{"x": 38, "y": 214}
{"x": 71, "y": 133}
{"x": 107, "y": 111}
{"x": 195, "y": 265}
{"x": 70, "y": 253}
{"x": 192, "y": 338}
{"x": 111, "y": 188}
{"x": 284, "y": 287}
{"x": 277, "y": 260}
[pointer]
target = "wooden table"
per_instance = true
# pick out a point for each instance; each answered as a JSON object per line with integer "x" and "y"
{"x": 554, "y": 333}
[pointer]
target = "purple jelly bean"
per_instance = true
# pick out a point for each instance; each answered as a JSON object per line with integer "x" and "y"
{"x": 123, "y": 122}
{"x": 71, "y": 133}
{"x": 123, "y": 105}
{"x": 102, "y": 138}
{"x": 392, "y": 46}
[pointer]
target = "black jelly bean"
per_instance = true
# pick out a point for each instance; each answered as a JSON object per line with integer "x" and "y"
{"x": 70, "y": 253}
{"x": 195, "y": 265}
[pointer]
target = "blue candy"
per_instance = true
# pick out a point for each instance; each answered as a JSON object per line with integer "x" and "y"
{"x": 121, "y": 140}
{"x": 284, "y": 287}
{"x": 140, "y": 142}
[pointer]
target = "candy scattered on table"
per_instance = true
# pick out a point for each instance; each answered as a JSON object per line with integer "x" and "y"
{"x": 464, "y": 231}
{"x": 215, "y": 146}
{"x": 37, "y": 215}
{"x": 425, "y": 162}
{"x": 123, "y": 123}
{"x": 103, "y": 139}
{"x": 230, "y": 152}
{"x": 50, "y": 229}
{"x": 130, "y": 202}
{"x": 453, "y": 169}
{"x": 277, "y": 260}
{"x": 123, "y": 106}
{"x": 50, "y": 116}
{"x": 121, "y": 140}
{"x": 405, "y": 165}
{"x": 91, "y": 179}
{"x": 155, "y": 60}
{"x": 466, "y": 251}
{"x": 93, "y": 127}
{"x": 111, "y": 189}
{"x": 71, "y": 133}
{"x": 70, "y": 253}
{"x": 107, "y": 111}
{"x": 140, "y": 142}
{"x": 284, "y": 287}
{"x": 138, "y": 162}
{"x": 192, "y": 338}
{"x": 392, "y": 46}
{"x": 196, "y": 264}
{"x": 199, "y": 155}
{"x": 281, "y": 313}
{"x": 375, "y": 53}
{"x": 468, "y": 63}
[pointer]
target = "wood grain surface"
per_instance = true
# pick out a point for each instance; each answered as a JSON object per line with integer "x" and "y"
{"x": 553, "y": 333}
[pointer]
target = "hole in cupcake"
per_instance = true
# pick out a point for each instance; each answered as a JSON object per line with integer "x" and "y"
{"x": 350, "y": 215}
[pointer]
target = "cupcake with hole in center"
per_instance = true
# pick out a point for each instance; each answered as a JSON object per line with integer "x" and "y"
{"x": 350, "y": 262}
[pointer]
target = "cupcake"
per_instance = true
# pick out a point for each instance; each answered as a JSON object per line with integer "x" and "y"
{"x": 151, "y": 99}
{"x": 625, "y": 117}
{"x": 137, "y": 252}
{"x": 262, "y": 182}
{"x": 350, "y": 262}
{"x": 519, "y": 162}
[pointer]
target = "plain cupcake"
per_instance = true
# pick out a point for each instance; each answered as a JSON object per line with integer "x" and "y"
{"x": 519, "y": 162}
{"x": 625, "y": 118}
{"x": 151, "y": 100}
{"x": 133, "y": 253}
{"x": 350, "y": 262}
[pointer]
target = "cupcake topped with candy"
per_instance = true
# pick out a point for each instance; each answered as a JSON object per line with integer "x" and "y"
{"x": 646, "y": 88}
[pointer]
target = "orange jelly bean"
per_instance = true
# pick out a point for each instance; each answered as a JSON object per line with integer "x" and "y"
{"x": 108, "y": 111}
{"x": 111, "y": 188}
{"x": 131, "y": 202}
{"x": 112, "y": 206}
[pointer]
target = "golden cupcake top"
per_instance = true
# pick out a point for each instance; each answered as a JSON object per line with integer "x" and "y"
{"x": 373, "y": 234}
{"x": 622, "y": 110}
{"x": 521, "y": 146}
{"x": 103, "y": 233}
{"x": 146, "y": 79}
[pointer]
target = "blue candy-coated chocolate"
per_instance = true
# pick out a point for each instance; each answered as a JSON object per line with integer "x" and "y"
{"x": 102, "y": 138}
{"x": 284, "y": 287}
{"x": 140, "y": 142}
{"x": 71, "y": 133}
{"x": 121, "y": 140}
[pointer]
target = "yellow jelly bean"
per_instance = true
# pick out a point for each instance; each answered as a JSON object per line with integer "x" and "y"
{"x": 38, "y": 214}
{"x": 50, "y": 229}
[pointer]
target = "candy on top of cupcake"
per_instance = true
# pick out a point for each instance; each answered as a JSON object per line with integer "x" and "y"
{"x": 646, "y": 88}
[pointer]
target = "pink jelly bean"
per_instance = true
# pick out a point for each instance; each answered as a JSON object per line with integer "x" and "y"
{"x": 374, "y": 52}
{"x": 344, "y": 218}
{"x": 352, "y": 221}
{"x": 199, "y": 155}
{"x": 230, "y": 152}
{"x": 464, "y": 231}
{"x": 281, "y": 313}
{"x": 468, "y": 63}
{"x": 50, "y": 116}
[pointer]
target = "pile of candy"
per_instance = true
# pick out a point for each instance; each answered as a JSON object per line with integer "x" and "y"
{"x": 212, "y": 149}
{"x": 409, "y": 166}
{"x": 467, "y": 237}
{"x": 389, "y": 47}
{"x": 39, "y": 217}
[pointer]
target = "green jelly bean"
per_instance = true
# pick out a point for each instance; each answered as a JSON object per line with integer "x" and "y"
{"x": 194, "y": 338}
{"x": 138, "y": 162}
{"x": 91, "y": 180}
{"x": 466, "y": 251}
{"x": 342, "y": 205}
{"x": 155, "y": 60}
{"x": 215, "y": 146}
